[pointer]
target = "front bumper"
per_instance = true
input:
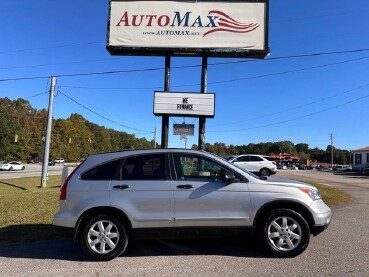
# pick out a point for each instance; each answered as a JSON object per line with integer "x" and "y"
{"x": 317, "y": 229}
{"x": 322, "y": 216}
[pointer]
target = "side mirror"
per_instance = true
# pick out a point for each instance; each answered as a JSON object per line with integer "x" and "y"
{"x": 227, "y": 177}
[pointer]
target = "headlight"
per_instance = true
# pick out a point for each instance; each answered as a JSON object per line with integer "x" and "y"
{"x": 312, "y": 193}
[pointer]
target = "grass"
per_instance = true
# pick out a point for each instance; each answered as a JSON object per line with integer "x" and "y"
{"x": 26, "y": 210}
{"x": 332, "y": 196}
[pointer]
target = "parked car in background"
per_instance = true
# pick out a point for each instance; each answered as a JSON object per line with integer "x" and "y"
{"x": 10, "y": 166}
{"x": 59, "y": 160}
{"x": 366, "y": 170}
{"x": 113, "y": 198}
{"x": 34, "y": 160}
{"x": 254, "y": 163}
{"x": 342, "y": 168}
{"x": 325, "y": 168}
{"x": 281, "y": 166}
{"x": 292, "y": 167}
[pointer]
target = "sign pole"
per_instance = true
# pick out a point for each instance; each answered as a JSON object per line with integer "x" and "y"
{"x": 202, "y": 119}
{"x": 165, "y": 118}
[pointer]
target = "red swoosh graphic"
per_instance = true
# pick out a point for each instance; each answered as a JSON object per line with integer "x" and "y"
{"x": 228, "y": 24}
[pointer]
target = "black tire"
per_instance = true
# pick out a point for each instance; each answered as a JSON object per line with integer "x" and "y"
{"x": 103, "y": 238}
{"x": 284, "y": 233}
{"x": 11, "y": 169}
{"x": 265, "y": 172}
{"x": 23, "y": 168}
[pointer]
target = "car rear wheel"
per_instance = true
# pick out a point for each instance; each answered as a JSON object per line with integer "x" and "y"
{"x": 265, "y": 172}
{"x": 104, "y": 238}
{"x": 11, "y": 169}
{"x": 285, "y": 233}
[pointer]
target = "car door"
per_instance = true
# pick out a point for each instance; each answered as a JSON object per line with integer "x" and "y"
{"x": 255, "y": 163}
{"x": 243, "y": 162}
{"x": 202, "y": 199}
{"x": 144, "y": 191}
{"x": 16, "y": 166}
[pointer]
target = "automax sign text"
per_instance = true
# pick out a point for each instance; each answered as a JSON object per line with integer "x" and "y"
{"x": 177, "y": 24}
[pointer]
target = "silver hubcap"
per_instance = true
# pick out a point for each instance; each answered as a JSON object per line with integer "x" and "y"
{"x": 284, "y": 233}
{"x": 103, "y": 237}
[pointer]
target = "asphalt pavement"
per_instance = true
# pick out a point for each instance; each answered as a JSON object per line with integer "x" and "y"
{"x": 342, "y": 250}
{"x": 32, "y": 170}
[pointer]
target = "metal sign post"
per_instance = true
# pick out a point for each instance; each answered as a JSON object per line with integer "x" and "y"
{"x": 202, "y": 119}
{"x": 165, "y": 118}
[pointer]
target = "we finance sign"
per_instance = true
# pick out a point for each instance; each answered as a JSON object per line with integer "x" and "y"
{"x": 229, "y": 28}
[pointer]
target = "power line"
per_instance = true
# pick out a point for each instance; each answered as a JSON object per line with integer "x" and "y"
{"x": 230, "y": 80}
{"x": 294, "y": 108}
{"x": 104, "y": 117}
{"x": 294, "y": 119}
{"x": 186, "y": 66}
{"x": 52, "y": 64}
{"x": 33, "y": 96}
{"x": 50, "y": 47}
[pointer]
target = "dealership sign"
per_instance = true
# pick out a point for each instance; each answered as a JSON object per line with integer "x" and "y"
{"x": 184, "y": 104}
{"x": 184, "y": 129}
{"x": 211, "y": 28}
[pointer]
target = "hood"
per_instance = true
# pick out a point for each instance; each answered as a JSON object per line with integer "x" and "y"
{"x": 287, "y": 182}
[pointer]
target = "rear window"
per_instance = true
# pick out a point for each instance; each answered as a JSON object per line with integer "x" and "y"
{"x": 106, "y": 171}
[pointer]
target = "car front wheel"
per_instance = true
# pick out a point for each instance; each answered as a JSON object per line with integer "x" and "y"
{"x": 285, "y": 233}
{"x": 104, "y": 238}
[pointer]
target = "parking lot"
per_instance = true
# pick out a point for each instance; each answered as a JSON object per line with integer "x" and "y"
{"x": 339, "y": 251}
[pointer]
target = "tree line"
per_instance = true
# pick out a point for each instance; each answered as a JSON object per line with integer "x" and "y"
{"x": 300, "y": 150}
{"x": 22, "y": 128}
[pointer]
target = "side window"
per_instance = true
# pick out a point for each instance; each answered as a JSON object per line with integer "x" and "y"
{"x": 196, "y": 168}
{"x": 254, "y": 159}
{"x": 245, "y": 158}
{"x": 106, "y": 171}
{"x": 144, "y": 167}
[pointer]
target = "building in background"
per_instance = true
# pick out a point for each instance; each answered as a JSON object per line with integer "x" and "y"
{"x": 360, "y": 158}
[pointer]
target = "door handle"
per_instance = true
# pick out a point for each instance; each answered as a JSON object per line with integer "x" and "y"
{"x": 121, "y": 187}
{"x": 185, "y": 187}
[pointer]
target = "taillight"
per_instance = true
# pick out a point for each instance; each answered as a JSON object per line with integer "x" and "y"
{"x": 63, "y": 189}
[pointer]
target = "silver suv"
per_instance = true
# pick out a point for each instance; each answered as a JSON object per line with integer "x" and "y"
{"x": 254, "y": 163}
{"x": 113, "y": 198}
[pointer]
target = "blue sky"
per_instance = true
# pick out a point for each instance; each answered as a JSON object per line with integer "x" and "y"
{"x": 298, "y": 99}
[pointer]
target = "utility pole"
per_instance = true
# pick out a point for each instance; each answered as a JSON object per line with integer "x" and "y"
{"x": 45, "y": 162}
{"x": 331, "y": 137}
{"x": 155, "y": 137}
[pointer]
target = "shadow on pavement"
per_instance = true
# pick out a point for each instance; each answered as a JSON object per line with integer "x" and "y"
{"x": 65, "y": 249}
{"x": 352, "y": 174}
